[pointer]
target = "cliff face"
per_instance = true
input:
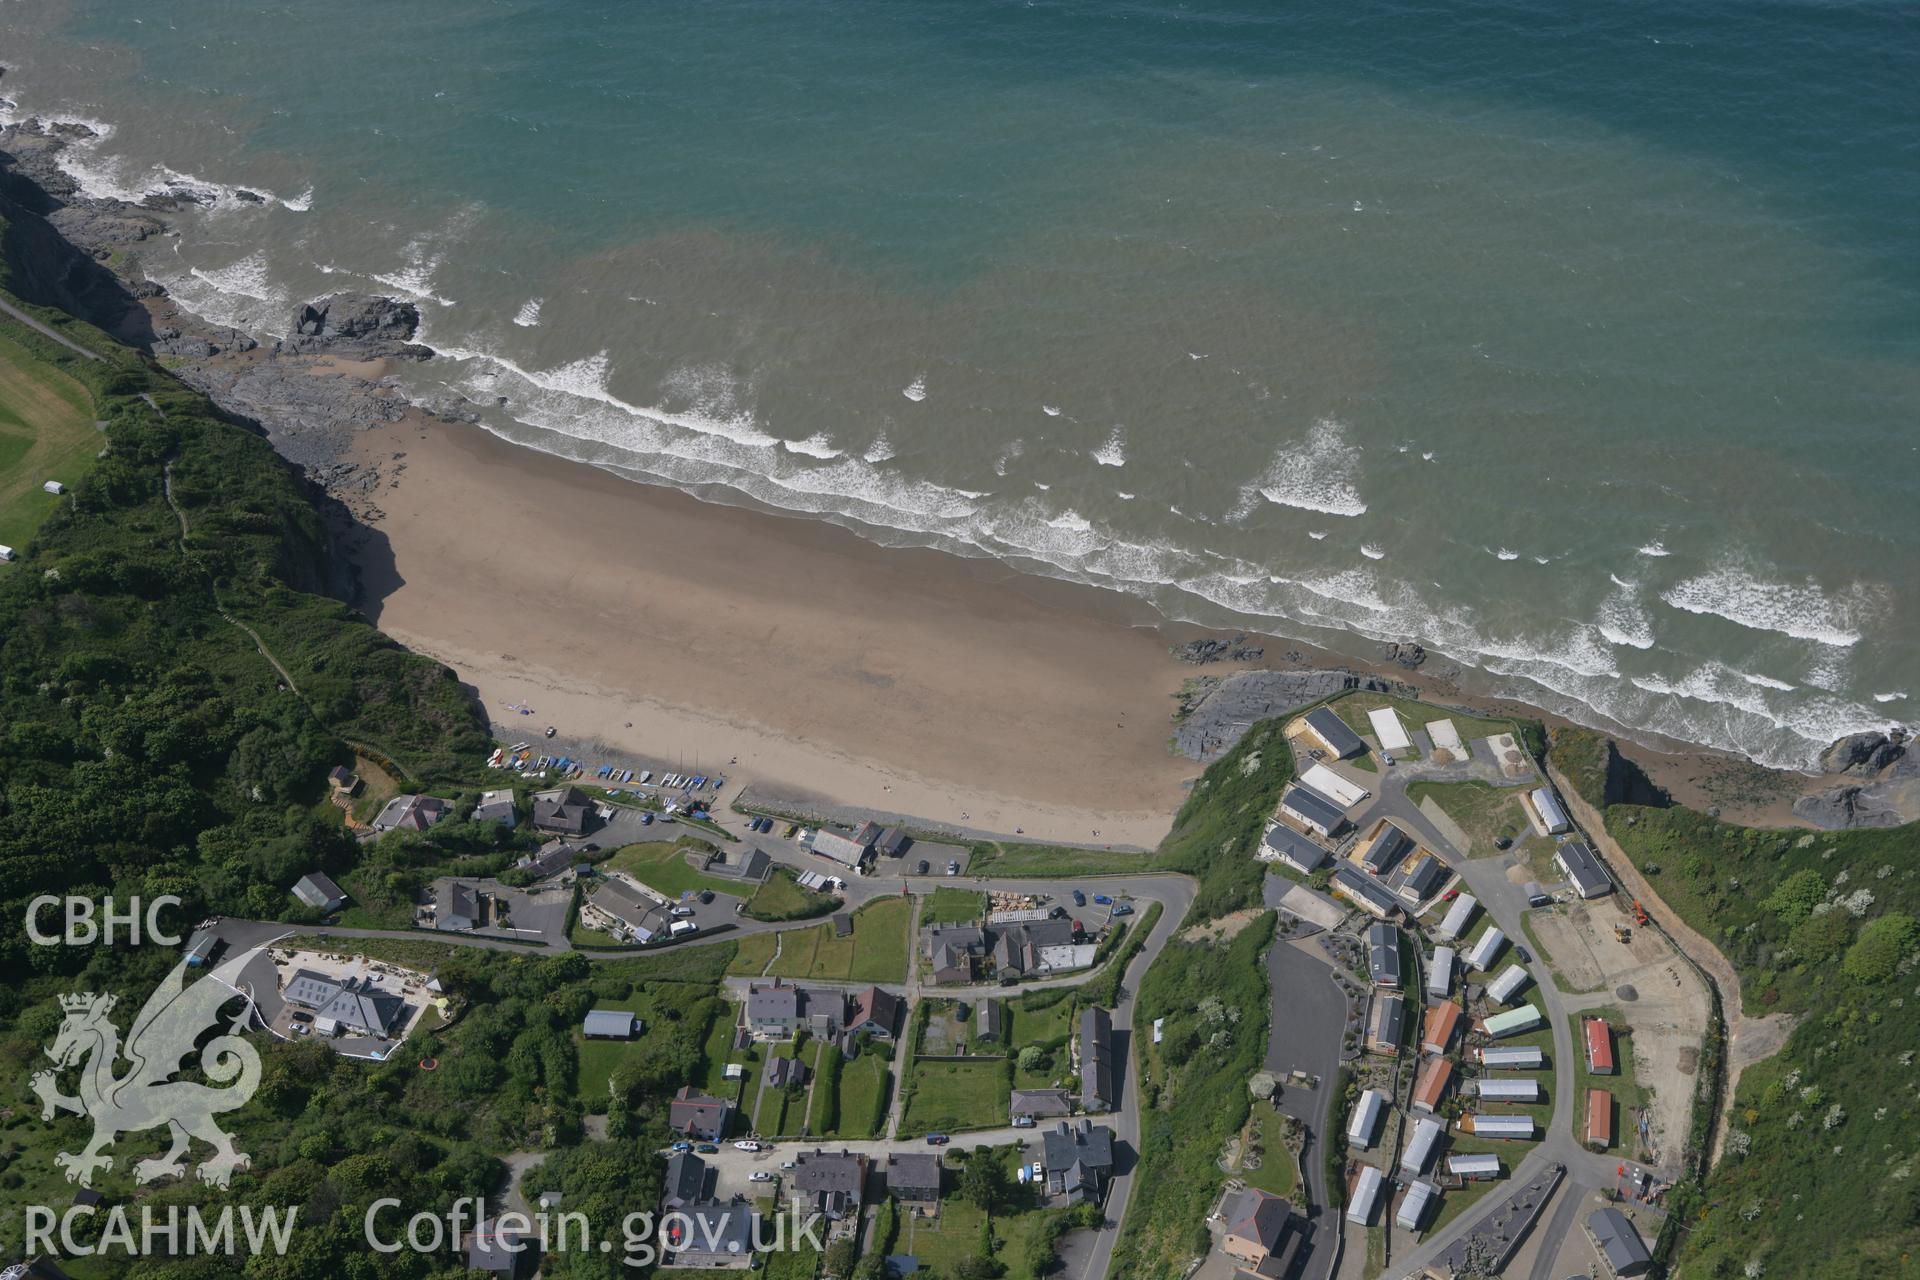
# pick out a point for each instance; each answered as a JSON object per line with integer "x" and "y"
{"x": 1597, "y": 771}
{"x": 1882, "y": 787}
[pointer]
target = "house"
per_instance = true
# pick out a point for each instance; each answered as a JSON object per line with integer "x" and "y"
{"x": 1518, "y": 1090}
{"x": 713, "y": 1234}
{"x": 564, "y": 811}
{"x": 1078, "y": 1161}
{"x": 1362, "y": 1194}
{"x": 457, "y": 907}
{"x": 1440, "y": 974}
{"x": 1383, "y": 955}
{"x": 952, "y": 950}
{"x": 343, "y": 781}
{"x": 1364, "y": 892}
{"x": 1337, "y": 787}
{"x": 693, "y": 1114}
{"x": 833, "y": 1184}
{"x": 496, "y": 1252}
{"x": 785, "y": 1073}
{"x": 1415, "y": 1201}
{"x": 1285, "y": 845}
{"x": 1599, "y": 1119}
{"x": 1441, "y": 1025}
{"x": 1512, "y": 1022}
{"x": 353, "y": 1006}
{"x": 893, "y": 842}
{"x": 411, "y": 813}
{"x": 775, "y": 1012}
{"x": 1386, "y": 850}
{"x": 1365, "y": 1120}
{"x": 842, "y": 849}
{"x": 1481, "y": 955}
{"x": 1599, "y": 1042}
{"x": 1458, "y": 917}
{"x": 1332, "y": 733}
{"x": 498, "y": 807}
{"x": 1590, "y": 879}
{"x": 1620, "y": 1247}
{"x": 1041, "y": 1104}
{"x": 1420, "y": 1147}
{"x": 1431, "y": 1084}
{"x": 686, "y": 1181}
{"x": 1313, "y": 811}
{"x": 1552, "y": 819}
{"x": 1474, "y": 1168}
{"x": 875, "y": 1013}
{"x": 1386, "y": 1025}
{"x": 1259, "y": 1233}
{"x": 990, "y": 1022}
{"x": 1099, "y": 1070}
{"x": 1488, "y": 1125}
{"x": 610, "y": 1024}
{"x": 1520, "y": 1058}
{"x": 1503, "y": 989}
{"x": 319, "y": 891}
{"x": 554, "y": 857}
{"x": 750, "y": 866}
{"x": 913, "y": 1178}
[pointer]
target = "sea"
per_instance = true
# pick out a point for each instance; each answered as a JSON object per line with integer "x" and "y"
{"x": 1577, "y": 343}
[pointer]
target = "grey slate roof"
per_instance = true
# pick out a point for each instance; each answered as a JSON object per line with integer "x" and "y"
{"x": 319, "y": 891}
{"x": 1383, "y": 954}
{"x": 686, "y": 1181}
{"x": 1291, "y": 845}
{"x": 1099, "y": 1084}
{"x": 1614, "y": 1235}
{"x": 914, "y": 1175}
{"x": 1335, "y": 733}
{"x": 1085, "y": 1143}
{"x": 1387, "y": 849}
{"x": 1588, "y": 876}
{"x": 1311, "y": 804}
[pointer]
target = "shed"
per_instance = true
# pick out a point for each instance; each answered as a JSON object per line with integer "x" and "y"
{"x": 1333, "y": 733}
{"x": 1458, "y": 916}
{"x": 1505, "y": 987}
{"x": 1366, "y": 1190}
{"x": 1480, "y": 955}
{"x": 609, "y": 1024}
{"x": 1440, "y": 973}
{"x": 1414, "y": 1204}
{"x": 54, "y": 487}
{"x": 1366, "y": 1118}
{"x": 1426, "y": 1134}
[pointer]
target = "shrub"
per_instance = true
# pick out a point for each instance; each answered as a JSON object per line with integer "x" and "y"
{"x": 1881, "y": 946}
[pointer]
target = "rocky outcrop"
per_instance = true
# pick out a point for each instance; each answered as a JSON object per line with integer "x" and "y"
{"x": 364, "y": 326}
{"x": 1848, "y": 805}
{"x": 1215, "y": 713}
{"x": 1864, "y": 755}
{"x": 1882, "y": 787}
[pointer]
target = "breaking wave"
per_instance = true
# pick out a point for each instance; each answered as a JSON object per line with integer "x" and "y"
{"x": 1800, "y": 610}
{"x": 1320, "y": 474}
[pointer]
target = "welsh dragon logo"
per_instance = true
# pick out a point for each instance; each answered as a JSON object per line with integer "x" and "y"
{"x": 145, "y": 1095}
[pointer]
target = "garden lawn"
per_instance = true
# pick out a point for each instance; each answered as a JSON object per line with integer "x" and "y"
{"x": 663, "y": 867}
{"x": 876, "y": 951}
{"x": 954, "y": 906}
{"x": 781, "y": 897}
{"x": 863, "y": 1097}
{"x": 952, "y": 1096}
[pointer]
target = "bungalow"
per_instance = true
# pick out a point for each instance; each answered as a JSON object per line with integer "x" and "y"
{"x": 1386, "y": 850}
{"x": 1418, "y": 1198}
{"x": 693, "y": 1114}
{"x": 1599, "y": 1041}
{"x": 1078, "y": 1161}
{"x": 1099, "y": 1068}
{"x": 1618, "y": 1243}
{"x": 1474, "y": 1168}
{"x": 319, "y": 891}
{"x": 714, "y": 1234}
{"x": 1364, "y": 892}
{"x": 1481, "y": 955}
{"x": 1362, "y": 1195}
{"x": 832, "y": 1183}
{"x": 497, "y": 807}
{"x": 1507, "y": 1127}
{"x": 1426, "y": 1135}
{"x": 1442, "y": 1023}
{"x": 563, "y": 811}
{"x": 1383, "y": 955}
{"x": 1332, "y": 733}
{"x": 1040, "y": 1104}
{"x": 1458, "y": 916}
{"x": 913, "y": 1178}
{"x": 1590, "y": 879}
{"x": 457, "y": 907}
{"x": 1440, "y": 974}
{"x": 1599, "y": 1119}
{"x": 610, "y": 1024}
{"x": 875, "y": 1013}
{"x": 1366, "y": 1118}
{"x": 1313, "y": 811}
{"x": 1259, "y": 1235}
{"x": 1386, "y": 1025}
{"x": 554, "y": 857}
{"x": 411, "y": 813}
{"x": 1512, "y": 1022}
{"x": 1286, "y": 846}
{"x": 1431, "y": 1084}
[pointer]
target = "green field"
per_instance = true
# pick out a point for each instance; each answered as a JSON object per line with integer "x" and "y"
{"x": 751, "y": 955}
{"x": 863, "y": 1096}
{"x": 876, "y": 951}
{"x": 46, "y": 433}
{"x": 781, "y": 897}
{"x": 954, "y": 906}
{"x": 663, "y": 867}
{"x": 1484, "y": 813}
{"x": 952, "y": 1096}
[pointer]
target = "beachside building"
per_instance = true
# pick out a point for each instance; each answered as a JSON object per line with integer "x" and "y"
{"x": 842, "y": 849}
{"x": 1335, "y": 786}
{"x": 1454, "y": 924}
{"x": 1421, "y": 1146}
{"x": 1430, "y": 1086}
{"x": 1099, "y": 1066}
{"x": 563, "y": 811}
{"x": 1332, "y": 734}
{"x": 1512, "y": 1022}
{"x": 1441, "y": 1025}
{"x": 1598, "y": 1037}
{"x": 318, "y": 891}
{"x": 1365, "y": 1122}
{"x": 1415, "y": 1203}
{"x": 1505, "y": 988}
{"x": 1387, "y": 848}
{"x": 496, "y": 806}
{"x": 352, "y": 1007}
{"x": 1284, "y": 845}
{"x": 1510, "y": 1089}
{"x": 1440, "y": 974}
{"x": 953, "y": 950}
{"x": 1364, "y": 892}
{"x": 1259, "y": 1233}
{"x": 1599, "y": 1118}
{"x": 1078, "y": 1161}
{"x": 1383, "y": 955}
{"x": 610, "y": 1024}
{"x": 1589, "y": 878}
{"x": 1363, "y": 1194}
{"x": 1526, "y": 1057}
{"x": 1621, "y": 1250}
{"x": 411, "y": 813}
{"x": 893, "y": 842}
{"x": 1474, "y": 1168}
{"x": 1481, "y": 955}
{"x": 1510, "y": 1128}
{"x": 1549, "y": 817}
{"x": 1313, "y": 811}
{"x": 1386, "y": 1025}
{"x": 694, "y": 1115}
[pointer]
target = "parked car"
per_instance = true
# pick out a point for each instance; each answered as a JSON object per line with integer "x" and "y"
{"x": 747, "y": 1144}
{"x": 963, "y": 1011}
{"x": 646, "y": 819}
{"x": 1103, "y": 899}
{"x": 1039, "y": 1171}
{"x": 786, "y": 1164}
{"x": 1079, "y": 898}
{"x": 1058, "y": 913}
{"x": 1386, "y": 757}
{"x": 299, "y": 1015}
{"x": 1122, "y": 909}
{"x": 1539, "y": 900}
{"x": 706, "y": 896}
{"x": 1449, "y": 895}
{"x": 936, "y": 1139}
{"x": 922, "y": 868}
{"x": 683, "y": 1145}
{"x": 1526, "y": 957}
{"x": 953, "y": 866}
{"x": 759, "y": 1175}
{"x": 708, "y": 1149}
{"x": 1023, "y": 1122}
{"x": 682, "y": 912}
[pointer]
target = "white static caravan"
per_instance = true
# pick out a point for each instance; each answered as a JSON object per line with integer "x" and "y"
{"x": 1480, "y": 955}
{"x": 1458, "y": 916}
{"x": 6, "y": 554}
{"x": 1366, "y": 1189}
{"x": 1387, "y": 727}
{"x": 1414, "y": 1204}
{"x": 1508, "y": 1089}
{"x": 1505, "y": 987}
{"x": 1524, "y": 1057}
{"x": 1440, "y": 973}
{"x": 1420, "y": 1147}
{"x": 1366, "y": 1118}
{"x": 1474, "y": 1167}
{"x": 1343, "y": 791}
{"x": 1553, "y": 819}
{"x": 1516, "y": 1128}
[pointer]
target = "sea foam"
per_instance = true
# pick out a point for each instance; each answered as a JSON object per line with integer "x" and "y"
{"x": 1319, "y": 474}
{"x": 1801, "y": 610}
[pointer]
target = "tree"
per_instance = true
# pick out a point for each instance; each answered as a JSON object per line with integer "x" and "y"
{"x": 984, "y": 1182}
{"x": 1820, "y": 937}
{"x": 1882, "y": 945}
{"x": 1794, "y": 898}
{"x": 1033, "y": 1058}
{"x": 838, "y": 1259}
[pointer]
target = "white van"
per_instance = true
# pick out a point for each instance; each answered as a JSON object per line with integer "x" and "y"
{"x": 681, "y": 928}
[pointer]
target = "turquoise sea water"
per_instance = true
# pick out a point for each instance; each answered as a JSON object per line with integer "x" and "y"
{"x": 1580, "y": 344}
